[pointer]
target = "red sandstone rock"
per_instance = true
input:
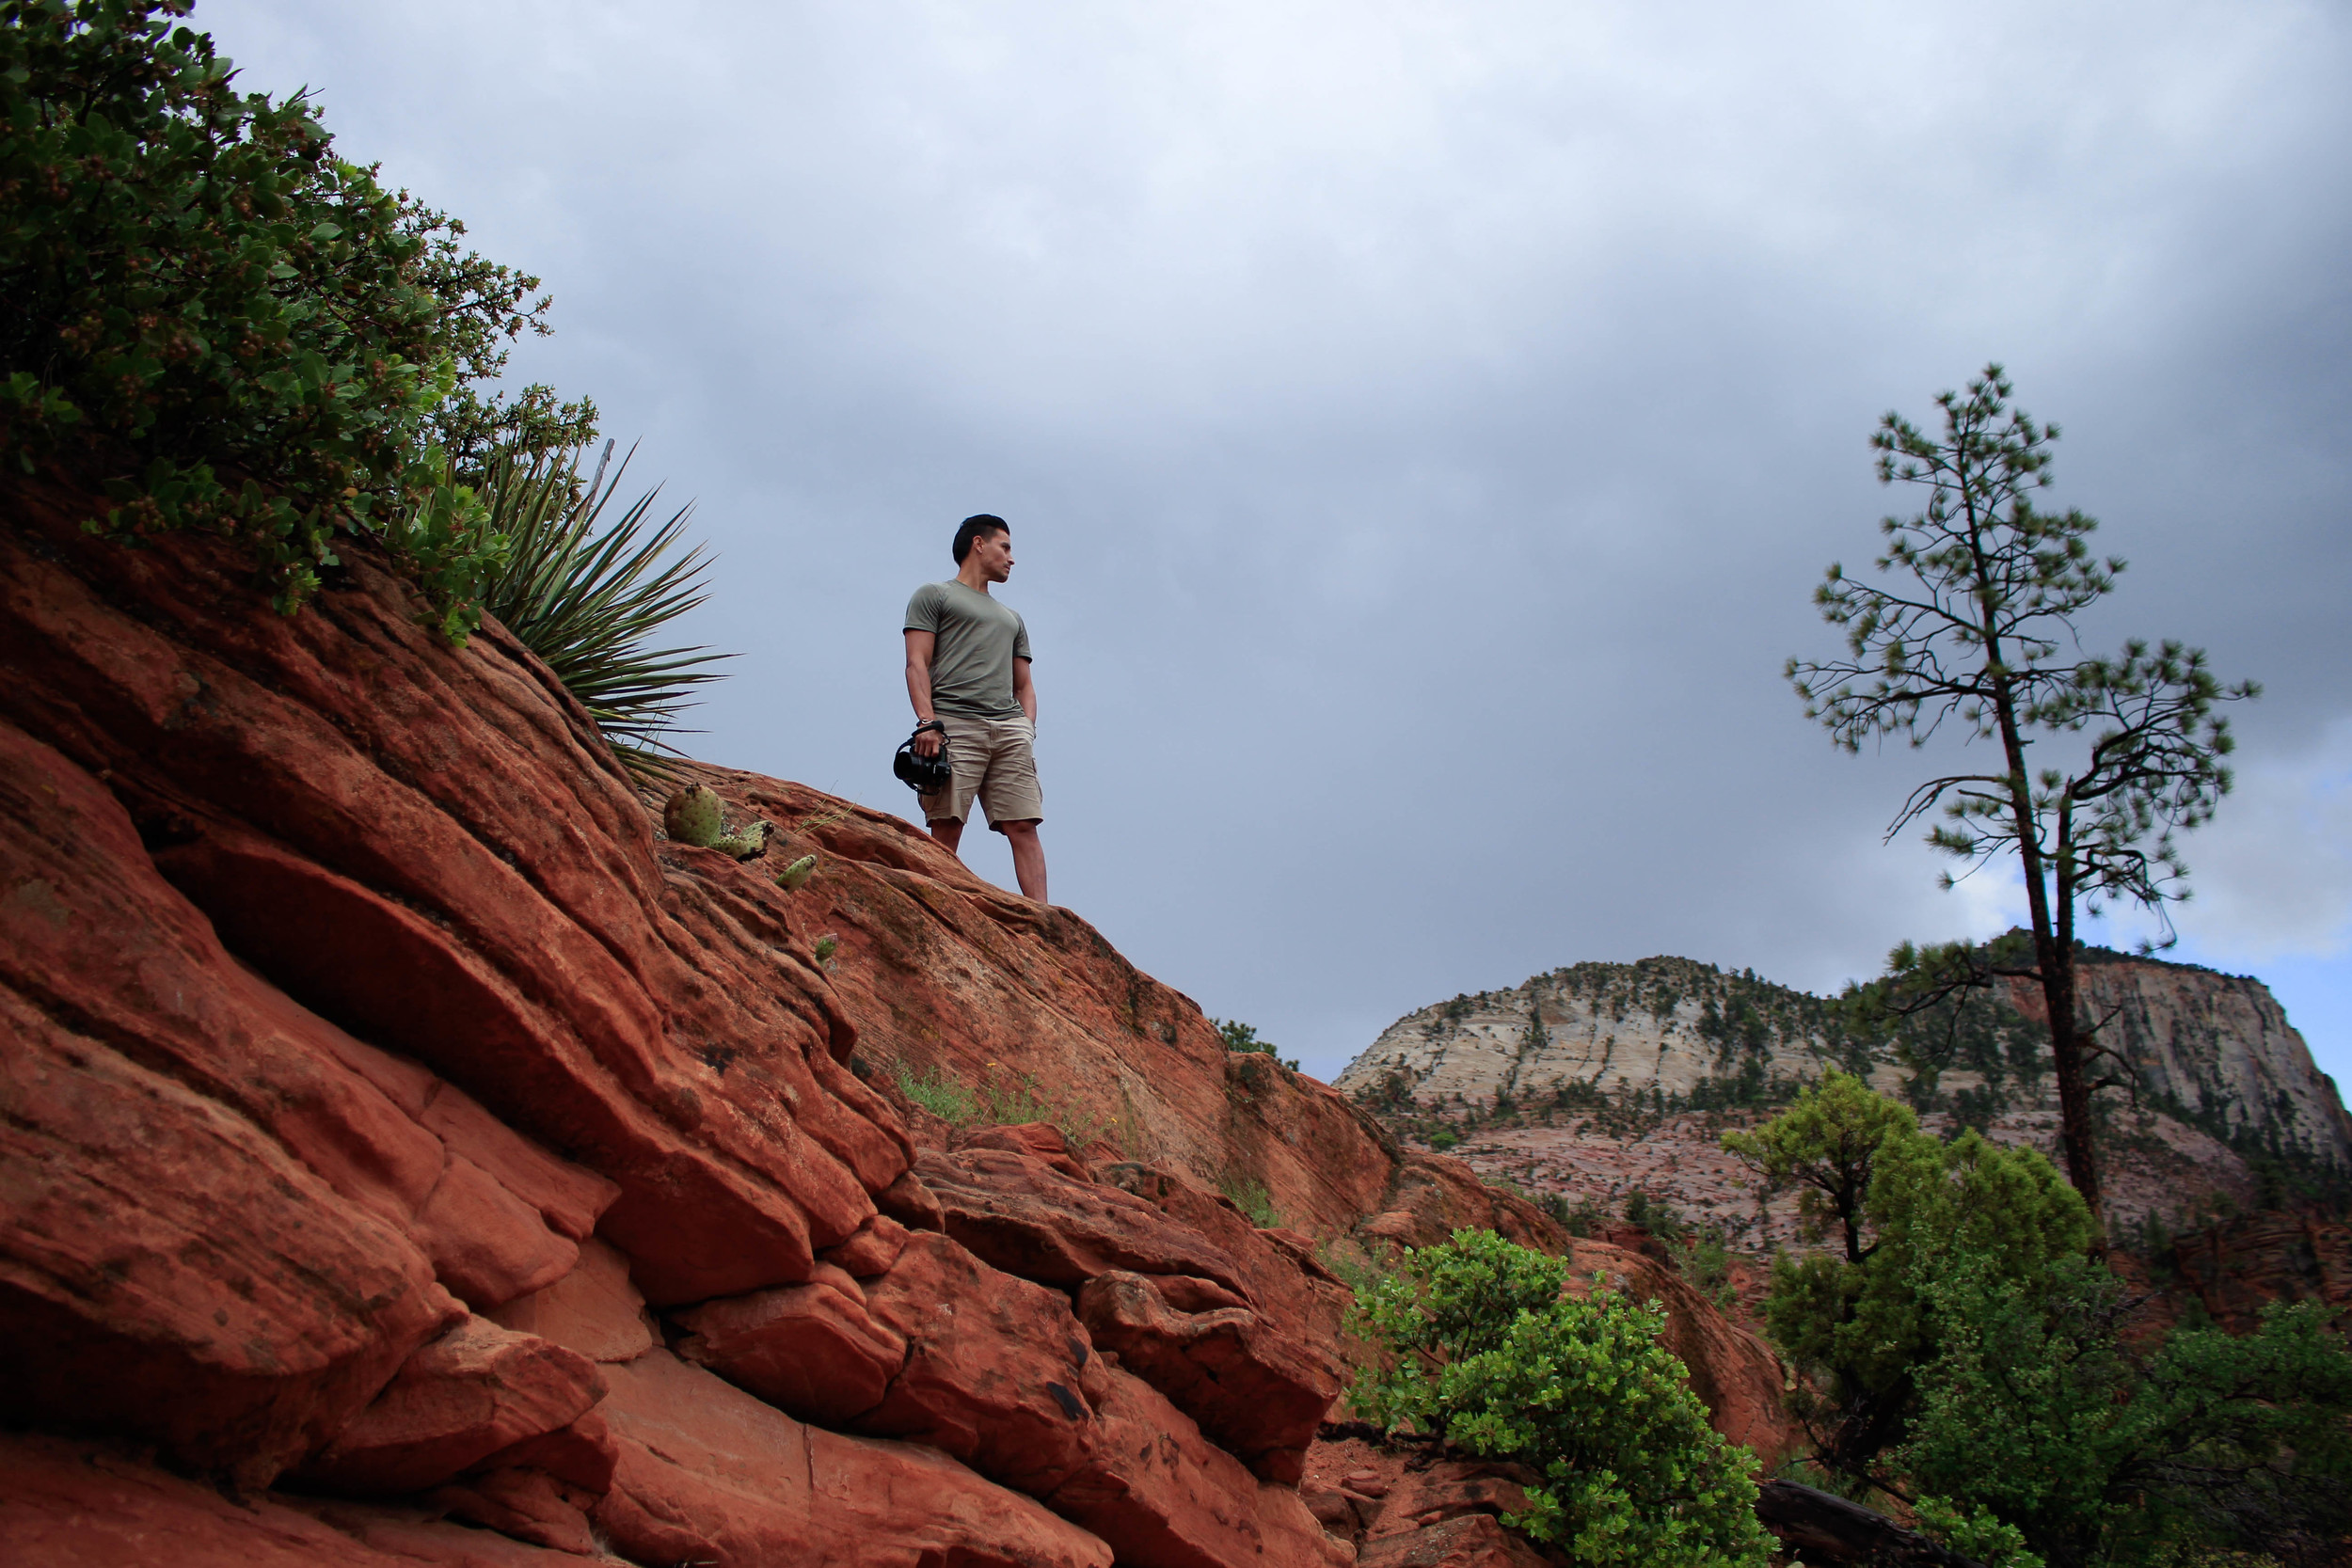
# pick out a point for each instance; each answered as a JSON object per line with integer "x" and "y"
{"x": 594, "y": 1309}
{"x": 1041, "y": 1139}
{"x": 1286, "y": 1283}
{"x": 937, "y": 969}
{"x": 430, "y": 846}
{"x": 994, "y": 1367}
{"x": 2237, "y": 1266}
{"x": 1449, "y": 1489}
{"x": 82, "y": 1505}
{"x": 709, "y": 1474}
{"x": 476, "y": 1391}
{"x": 487, "y": 1245}
{"x": 203, "y": 1239}
{"x": 1027, "y": 1218}
{"x": 1163, "y": 1496}
{"x": 812, "y": 1351}
{"x": 872, "y": 1250}
{"x": 1256, "y": 1392}
{"x": 582, "y": 1455}
{"x": 529, "y": 1505}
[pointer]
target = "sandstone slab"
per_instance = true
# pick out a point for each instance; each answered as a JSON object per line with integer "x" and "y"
{"x": 83, "y": 1505}
{"x": 593, "y": 1310}
{"x": 708, "y": 1474}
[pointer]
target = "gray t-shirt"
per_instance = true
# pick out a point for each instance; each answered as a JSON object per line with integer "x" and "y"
{"x": 972, "y": 660}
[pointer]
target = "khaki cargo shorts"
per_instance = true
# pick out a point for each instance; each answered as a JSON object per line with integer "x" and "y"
{"x": 995, "y": 759}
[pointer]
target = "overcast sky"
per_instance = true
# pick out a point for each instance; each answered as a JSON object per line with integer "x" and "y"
{"x": 1422, "y": 426}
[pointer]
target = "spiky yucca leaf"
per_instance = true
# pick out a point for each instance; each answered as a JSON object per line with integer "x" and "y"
{"x": 585, "y": 596}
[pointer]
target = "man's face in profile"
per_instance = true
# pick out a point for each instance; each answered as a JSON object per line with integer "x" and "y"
{"x": 993, "y": 551}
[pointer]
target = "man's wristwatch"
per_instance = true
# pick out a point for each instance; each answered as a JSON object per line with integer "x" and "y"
{"x": 931, "y": 724}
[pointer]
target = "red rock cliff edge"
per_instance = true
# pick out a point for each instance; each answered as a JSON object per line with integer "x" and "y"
{"x": 410, "y": 1156}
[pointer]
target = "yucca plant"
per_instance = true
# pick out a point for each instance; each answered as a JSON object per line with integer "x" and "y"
{"x": 585, "y": 595}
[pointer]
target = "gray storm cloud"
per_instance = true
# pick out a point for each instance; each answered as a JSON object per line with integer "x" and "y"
{"x": 1422, "y": 426}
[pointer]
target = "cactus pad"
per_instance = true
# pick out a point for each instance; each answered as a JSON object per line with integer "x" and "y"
{"x": 693, "y": 816}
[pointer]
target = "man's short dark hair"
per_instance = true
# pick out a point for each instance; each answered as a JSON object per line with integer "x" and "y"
{"x": 971, "y": 530}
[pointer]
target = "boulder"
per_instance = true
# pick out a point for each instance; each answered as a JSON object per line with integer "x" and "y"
{"x": 1285, "y": 1279}
{"x": 994, "y": 1367}
{"x": 708, "y": 1474}
{"x": 1165, "y": 1497}
{"x": 525, "y": 1503}
{"x": 871, "y": 1250}
{"x": 476, "y": 1391}
{"x": 812, "y": 1351}
{"x": 1253, "y": 1390}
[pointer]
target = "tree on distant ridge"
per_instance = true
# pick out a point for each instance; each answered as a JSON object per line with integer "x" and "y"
{"x": 1974, "y": 639}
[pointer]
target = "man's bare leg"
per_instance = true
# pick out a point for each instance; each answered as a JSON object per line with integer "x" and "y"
{"x": 1028, "y": 859}
{"x": 949, "y": 835}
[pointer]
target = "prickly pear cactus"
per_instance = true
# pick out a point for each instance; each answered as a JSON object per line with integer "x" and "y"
{"x": 800, "y": 871}
{"x": 744, "y": 843}
{"x": 693, "y": 816}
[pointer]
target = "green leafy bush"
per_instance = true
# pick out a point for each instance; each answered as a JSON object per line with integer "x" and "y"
{"x": 2037, "y": 1419}
{"x": 1487, "y": 1350}
{"x": 207, "y": 313}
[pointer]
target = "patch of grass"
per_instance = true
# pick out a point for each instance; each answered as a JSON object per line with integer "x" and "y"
{"x": 1356, "y": 1268}
{"x": 1005, "y": 1099}
{"x": 1250, "y": 1197}
{"x": 940, "y": 1094}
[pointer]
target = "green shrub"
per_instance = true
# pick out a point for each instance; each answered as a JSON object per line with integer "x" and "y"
{"x": 1654, "y": 1215}
{"x": 1488, "y": 1351}
{"x": 228, "y": 328}
{"x": 2036, "y": 1418}
{"x": 1444, "y": 1140}
{"x": 1709, "y": 1268}
{"x": 1250, "y": 1197}
{"x": 1241, "y": 1036}
{"x": 1888, "y": 1196}
{"x": 939, "y": 1093}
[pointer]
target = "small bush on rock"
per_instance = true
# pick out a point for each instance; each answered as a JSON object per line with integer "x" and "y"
{"x": 1487, "y": 1350}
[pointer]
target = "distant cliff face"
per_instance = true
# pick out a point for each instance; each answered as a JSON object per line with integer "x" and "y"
{"x": 2213, "y": 1050}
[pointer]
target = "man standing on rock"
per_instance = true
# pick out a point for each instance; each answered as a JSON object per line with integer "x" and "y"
{"x": 968, "y": 676}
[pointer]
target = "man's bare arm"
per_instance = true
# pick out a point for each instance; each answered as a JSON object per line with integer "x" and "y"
{"x": 920, "y": 645}
{"x": 1023, "y": 688}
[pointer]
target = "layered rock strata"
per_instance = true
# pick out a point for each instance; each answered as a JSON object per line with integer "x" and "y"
{"x": 402, "y": 1136}
{"x": 1613, "y": 1078}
